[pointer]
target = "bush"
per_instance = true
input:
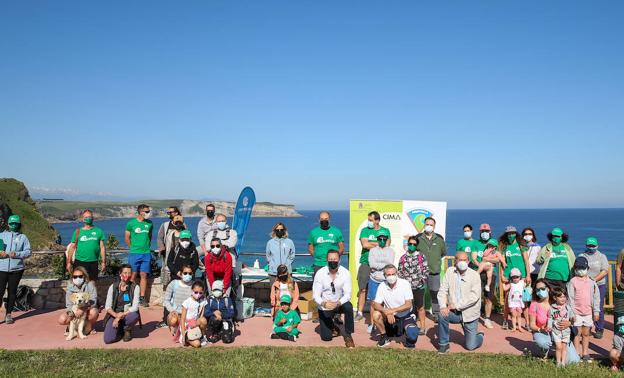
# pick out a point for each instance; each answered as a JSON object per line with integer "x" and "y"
{"x": 113, "y": 265}
{"x": 58, "y": 267}
{"x": 112, "y": 242}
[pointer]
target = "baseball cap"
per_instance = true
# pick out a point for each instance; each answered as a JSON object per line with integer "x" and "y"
{"x": 485, "y": 227}
{"x": 581, "y": 263}
{"x": 14, "y": 219}
{"x": 556, "y": 231}
{"x": 493, "y": 242}
{"x": 383, "y": 232}
{"x": 285, "y": 299}
{"x": 510, "y": 229}
{"x": 185, "y": 234}
{"x": 515, "y": 272}
{"x": 217, "y": 285}
{"x": 591, "y": 241}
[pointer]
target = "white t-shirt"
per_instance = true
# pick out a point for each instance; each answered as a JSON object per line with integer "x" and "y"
{"x": 192, "y": 308}
{"x": 394, "y": 297}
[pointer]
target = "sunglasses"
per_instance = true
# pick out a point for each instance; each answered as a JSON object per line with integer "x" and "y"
{"x": 198, "y": 292}
{"x": 528, "y": 234}
{"x": 78, "y": 276}
{"x": 215, "y": 246}
{"x": 187, "y": 274}
{"x": 333, "y": 288}
{"x": 414, "y": 244}
{"x": 279, "y": 229}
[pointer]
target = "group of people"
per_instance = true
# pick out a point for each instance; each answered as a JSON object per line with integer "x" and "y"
{"x": 549, "y": 291}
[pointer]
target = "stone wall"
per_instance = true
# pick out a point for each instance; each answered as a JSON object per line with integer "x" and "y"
{"x": 50, "y": 293}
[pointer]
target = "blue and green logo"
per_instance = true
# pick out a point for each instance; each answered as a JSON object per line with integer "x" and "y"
{"x": 417, "y": 216}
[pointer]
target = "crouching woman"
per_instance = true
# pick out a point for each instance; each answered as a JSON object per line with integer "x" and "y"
{"x": 122, "y": 308}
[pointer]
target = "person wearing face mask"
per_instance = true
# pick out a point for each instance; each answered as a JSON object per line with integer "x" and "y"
{"x": 220, "y": 314}
{"x": 280, "y": 250}
{"x": 532, "y": 249}
{"x": 331, "y": 291}
{"x": 460, "y": 302}
{"x": 556, "y": 259}
{"x": 138, "y": 237}
{"x": 14, "y": 248}
{"x": 193, "y": 316}
{"x": 598, "y": 270}
{"x": 432, "y": 245}
{"x": 206, "y": 226}
{"x": 218, "y": 265}
{"x": 585, "y": 300}
{"x": 323, "y": 239}
{"x": 467, "y": 243}
{"x": 80, "y": 283}
{"x": 393, "y": 314}
{"x": 228, "y": 238}
{"x": 87, "y": 248}
{"x": 284, "y": 285}
{"x": 538, "y": 322}
{"x": 167, "y": 238}
{"x": 378, "y": 258}
{"x": 368, "y": 239}
{"x": 486, "y": 254}
{"x": 177, "y": 292}
{"x": 513, "y": 246}
{"x": 413, "y": 268}
{"x": 122, "y": 307}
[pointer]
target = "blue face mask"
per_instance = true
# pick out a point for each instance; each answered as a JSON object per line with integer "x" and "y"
{"x": 542, "y": 293}
{"x": 591, "y": 250}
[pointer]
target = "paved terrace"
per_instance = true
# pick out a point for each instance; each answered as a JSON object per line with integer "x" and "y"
{"x": 38, "y": 329}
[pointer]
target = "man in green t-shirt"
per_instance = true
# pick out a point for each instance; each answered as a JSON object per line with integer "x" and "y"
{"x": 485, "y": 237}
{"x": 139, "y": 239}
{"x": 322, "y": 239}
{"x": 433, "y": 247}
{"x": 368, "y": 239}
{"x": 87, "y": 250}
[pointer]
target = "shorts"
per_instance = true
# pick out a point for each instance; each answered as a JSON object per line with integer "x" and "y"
{"x": 618, "y": 342}
{"x": 491, "y": 295}
{"x": 92, "y": 268}
{"x": 363, "y": 276}
{"x": 584, "y": 321}
{"x": 372, "y": 289}
{"x": 419, "y": 298}
{"x": 516, "y": 310}
{"x": 561, "y": 336}
{"x": 140, "y": 262}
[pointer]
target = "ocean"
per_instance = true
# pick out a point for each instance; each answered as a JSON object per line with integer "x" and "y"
{"x": 605, "y": 224}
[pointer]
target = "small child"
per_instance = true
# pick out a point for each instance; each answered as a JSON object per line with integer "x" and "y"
{"x": 515, "y": 289}
{"x": 585, "y": 298}
{"x": 618, "y": 343}
{"x": 560, "y": 310}
{"x": 193, "y": 316}
{"x": 286, "y": 321}
{"x": 491, "y": 251}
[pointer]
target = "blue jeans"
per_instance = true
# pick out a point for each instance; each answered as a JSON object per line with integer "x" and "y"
{"x": 544, "y": 342}
{"x": 600, "y": 324}
{"x": 473, "y": 340}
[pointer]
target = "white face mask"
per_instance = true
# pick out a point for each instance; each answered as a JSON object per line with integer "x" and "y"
{"x": 391, "y": 279}
{"x": 185, "y": 244}
{"x": 187, "y": 277}
{"x": 462, "y": 265}
{"x": 370, "y": 224}
{"x": 581, "y": 272}
{"x": 428, "y": 228}
{"x": 217, "y": 293}
{"x": 467, "y": 234}
{"x": 147, "y": 215}
{"x": 528, "y": 238}
{"x": 78, "y": 281}
{"x": 221, "y": 225}
{"x": 485, "y": 235}
{"x": 216, "y": 250}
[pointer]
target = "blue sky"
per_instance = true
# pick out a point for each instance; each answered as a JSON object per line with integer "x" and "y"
{"x": 483, "y": 104}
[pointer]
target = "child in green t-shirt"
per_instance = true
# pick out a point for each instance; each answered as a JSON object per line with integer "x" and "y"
{"x": 286, "y": 321}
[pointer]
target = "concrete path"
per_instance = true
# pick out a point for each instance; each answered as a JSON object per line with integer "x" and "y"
{"x": 39, "y": 329}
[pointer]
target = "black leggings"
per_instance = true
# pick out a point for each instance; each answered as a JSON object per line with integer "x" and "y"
{"x": 10, "y": 279}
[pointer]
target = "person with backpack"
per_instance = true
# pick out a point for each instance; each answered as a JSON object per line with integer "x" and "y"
{"x": 87, "y": 248}
{"x": 218, "y": 265}
{"x": 219, "y": 312}
{"x": 122, "y": 307}
{"x": 229, "y": 238}
{"x": 14, "y": 248}
{"x": 167, "y": 240}
{"x": 414, "y": 269}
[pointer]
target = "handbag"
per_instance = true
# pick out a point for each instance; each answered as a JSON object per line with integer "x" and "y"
{"x": 194, "y": 332}
{"x": 527, "y": 294}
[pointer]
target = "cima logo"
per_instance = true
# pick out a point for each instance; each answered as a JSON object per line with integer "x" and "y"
{"x": 417, "y": 216}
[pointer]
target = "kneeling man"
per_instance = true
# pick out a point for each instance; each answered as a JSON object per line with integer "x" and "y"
{"x": 393, "y": 309}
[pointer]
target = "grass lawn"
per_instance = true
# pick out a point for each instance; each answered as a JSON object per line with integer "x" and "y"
{"x": 281, "y": 362}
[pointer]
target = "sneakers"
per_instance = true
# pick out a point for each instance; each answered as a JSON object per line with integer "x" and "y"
{"x": 127, "y": 336}
{"x": 274, "y": 336}
{"x": 370, "y": 328}
{"x": 586, "y": 358}
{"x": 66, "y": 331}
{"x": 598, "y": 334}
{"x": 8, "y": 319}
{"x": 359, "y": 317}
{"x": 349, "y": 342}
{"x": 143, "y": 302}
{"x": 383, "y": 341}
{"x": 505, "y": 325}
{"x": 204, "y": 341}
{"x": 292, "y": 338}
{"x": 161, "y": 325}
{"x": 335, "y": 332}
{"x": 487, "y": 323}
{"x": 443, "y": 349}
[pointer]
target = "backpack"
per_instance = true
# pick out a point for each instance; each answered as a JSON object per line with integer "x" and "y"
{"x": 22, "y": 298}
{"x": 227, "y": 332}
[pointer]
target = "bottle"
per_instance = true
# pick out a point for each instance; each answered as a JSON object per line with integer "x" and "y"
{"x": 256, "y": 264}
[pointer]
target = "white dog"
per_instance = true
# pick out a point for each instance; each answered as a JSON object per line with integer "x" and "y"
{"x": 77, "y": 324}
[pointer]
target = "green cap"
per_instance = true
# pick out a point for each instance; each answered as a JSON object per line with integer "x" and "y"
{"x": 14, "y": 219}
{"x": 591, "y": 241}
{"x": 493, "y": 242}
{"x": 557, "y": 231}
{"x": 383, "y": 232}
{"x": 285, "y": 299}
{"x": 185, "y": 234}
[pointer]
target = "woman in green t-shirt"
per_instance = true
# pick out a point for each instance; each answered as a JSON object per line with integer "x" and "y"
{"x": 557, "y": 259}
{"x": 513, "y": 247}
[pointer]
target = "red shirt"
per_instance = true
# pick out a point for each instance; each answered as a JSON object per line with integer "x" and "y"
{"x": 219, "y": 268}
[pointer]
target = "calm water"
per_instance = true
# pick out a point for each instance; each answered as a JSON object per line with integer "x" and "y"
{"x": 605, "y": 224}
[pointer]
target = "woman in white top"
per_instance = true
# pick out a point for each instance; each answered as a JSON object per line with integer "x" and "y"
{"x": 533, "y": 250}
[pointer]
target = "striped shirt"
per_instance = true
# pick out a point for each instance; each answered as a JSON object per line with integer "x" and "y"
{"x": 176, "y": 293}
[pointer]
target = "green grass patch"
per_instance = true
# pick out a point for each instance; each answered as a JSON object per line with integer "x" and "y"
{"x": 282, "y": 361}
